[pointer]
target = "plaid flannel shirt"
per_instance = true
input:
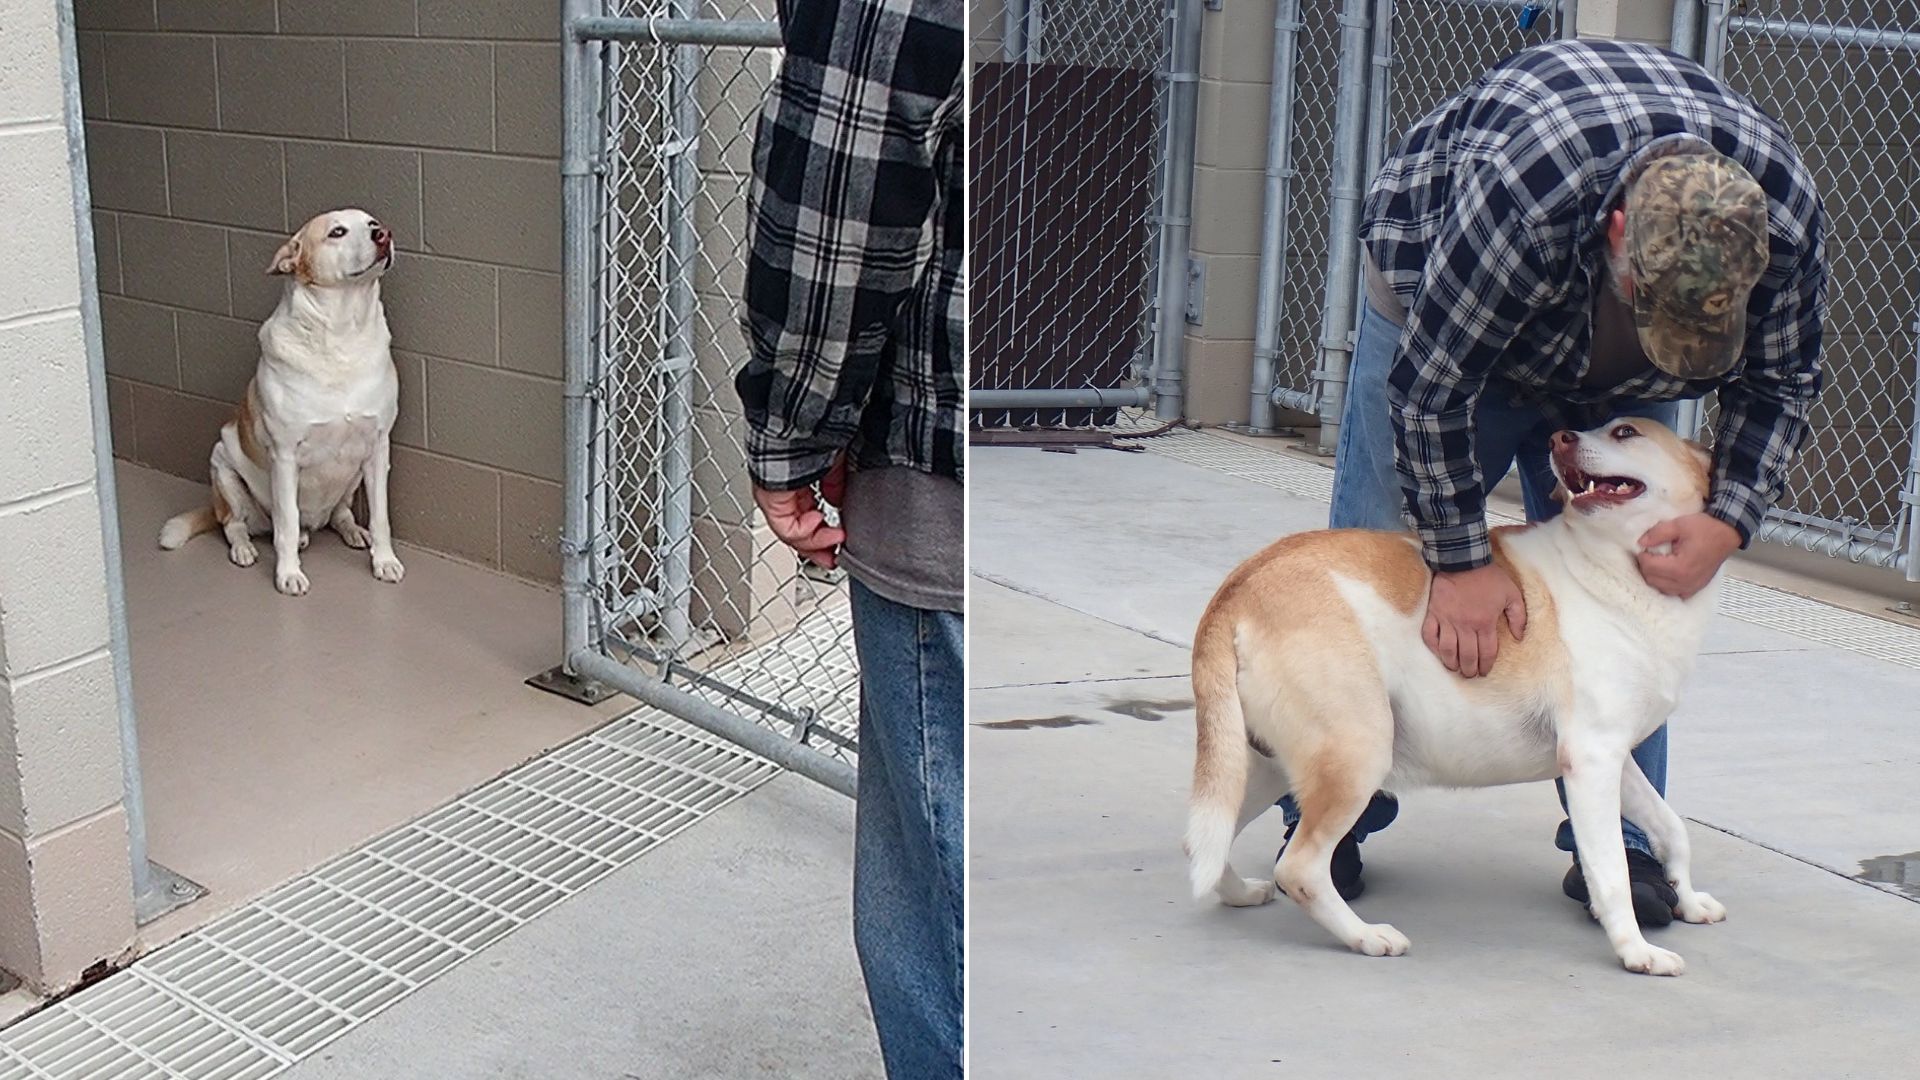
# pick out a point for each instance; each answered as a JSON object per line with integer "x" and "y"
{"x": 1489, "y": 222}
{"x": 853, "y": 305}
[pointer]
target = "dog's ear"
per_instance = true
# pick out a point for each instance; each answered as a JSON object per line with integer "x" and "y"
{"x": 287, "y": 259}
{"x": 1701, "y": 452}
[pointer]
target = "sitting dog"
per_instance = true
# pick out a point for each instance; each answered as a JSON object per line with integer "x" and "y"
{"x": 314, "y": 426}
{"x": 1310, "y": 676}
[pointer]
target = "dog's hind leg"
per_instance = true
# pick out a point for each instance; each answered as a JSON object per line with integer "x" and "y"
{"x": 350, "y": 530}
{"x": 1644, "y": 807}
{"x": 1265, "y": 784}
{"x": 1333, "y": 784}
{"x": 239, "y": 521}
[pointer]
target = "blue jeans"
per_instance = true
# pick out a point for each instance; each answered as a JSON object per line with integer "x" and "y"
{"x": 1507, "y": 433}
{"x": 909, "y": 828}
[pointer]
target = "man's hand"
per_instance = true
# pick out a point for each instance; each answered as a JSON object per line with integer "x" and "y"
{"x": 795, "y": 517}
{"x": 1699, "y": 544}
{"x": 1463, "y": 617}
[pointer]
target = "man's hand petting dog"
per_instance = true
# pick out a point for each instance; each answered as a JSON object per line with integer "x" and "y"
{"x": 1463, "y": 617}
{"x": 1680, "y": 557}
{"x": 796, "y": 518}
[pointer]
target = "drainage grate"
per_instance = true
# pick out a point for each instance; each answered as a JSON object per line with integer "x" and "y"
{"x": 1743, "y": 600}
{"x": 251, "y": 994}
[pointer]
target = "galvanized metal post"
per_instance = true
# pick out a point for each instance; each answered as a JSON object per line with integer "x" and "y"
{"x": 1343, "y": 218}
{"x": 156, "y": 890}
{"x": 1183, "y": 121}
{"x": 1278, "y": 216}
{"x": 1013, "y": 31}
{"x": 1379, "y": 98}
{"x": 677, "y": 369}
{"x": 1713, "y": 45}
{"x": 579, "y": 204}
{"x": 1685, "y": 35}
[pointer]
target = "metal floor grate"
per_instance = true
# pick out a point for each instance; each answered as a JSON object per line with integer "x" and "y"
{"x": 1747, "y": 601}
{"x": 268, "y": 985}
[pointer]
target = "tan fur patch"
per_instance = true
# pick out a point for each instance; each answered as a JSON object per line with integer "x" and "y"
{"x": 246, "y": 422}
{"x": 222, "y": 513}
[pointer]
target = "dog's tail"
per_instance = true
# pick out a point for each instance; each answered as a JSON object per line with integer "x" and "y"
{"x": 1220, "y": 757}
{"x": 181, "y": 528}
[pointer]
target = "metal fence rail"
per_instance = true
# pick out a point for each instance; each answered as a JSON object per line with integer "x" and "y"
{"x": 675, "y": 592}
{"x": 1850, "y": 95}
{"x": 1080, "y": 136}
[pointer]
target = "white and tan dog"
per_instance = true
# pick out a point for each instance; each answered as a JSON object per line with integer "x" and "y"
{"x": 1310, "y": 676}
{"x": 315, "y": 424}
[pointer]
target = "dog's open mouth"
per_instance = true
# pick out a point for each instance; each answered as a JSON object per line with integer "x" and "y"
{"x": 1590, "y": 490}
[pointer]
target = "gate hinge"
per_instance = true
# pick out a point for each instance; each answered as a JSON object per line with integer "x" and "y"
{"x": 1196, "y": 290}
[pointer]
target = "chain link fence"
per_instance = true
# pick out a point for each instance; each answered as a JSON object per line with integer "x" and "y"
{"x": 1845, "y": 80}
{"x": 676, "y": 591}
{"x": 1066, "y": 130}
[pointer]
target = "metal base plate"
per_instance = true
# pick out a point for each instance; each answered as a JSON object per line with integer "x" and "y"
{"x": 168, "y": 891}
{"x": 556, "y": 680}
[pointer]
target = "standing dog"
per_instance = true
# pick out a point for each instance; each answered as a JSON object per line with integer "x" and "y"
{"x": 316, "y": 421}
{"x": 1310, "y": 676}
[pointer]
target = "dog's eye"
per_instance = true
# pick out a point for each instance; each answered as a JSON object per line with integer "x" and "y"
{"x": 337, "y": 232}
{"x": 1625, "y": 431}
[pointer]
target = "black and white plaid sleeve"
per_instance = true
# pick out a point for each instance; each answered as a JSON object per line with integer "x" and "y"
{"x": 849, "y": 170}
{"x": 1485, "y": 276}
{"x": 1764, "y": 413}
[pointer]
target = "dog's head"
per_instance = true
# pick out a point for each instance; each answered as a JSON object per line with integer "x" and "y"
{"x": 1629, "y": 475}
{"x": 339, "y": 247}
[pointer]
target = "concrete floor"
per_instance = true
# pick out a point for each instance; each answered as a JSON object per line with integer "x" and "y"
{"x": 276, "y": 732}
{"x": 1088, "y": 959}
{"x": 727, "y": 952}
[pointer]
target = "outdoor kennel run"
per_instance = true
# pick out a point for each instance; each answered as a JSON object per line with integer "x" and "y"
{"x": 1089, "y": 290}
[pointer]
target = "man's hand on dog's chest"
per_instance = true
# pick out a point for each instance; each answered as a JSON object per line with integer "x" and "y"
{"x": 1680, "y": 557}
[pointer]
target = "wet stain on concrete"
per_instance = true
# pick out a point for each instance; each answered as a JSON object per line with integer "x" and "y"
{"x": 1148, "y": 709}
{"x": 1900, "y": 871}
{"x": 1028, "y": 723}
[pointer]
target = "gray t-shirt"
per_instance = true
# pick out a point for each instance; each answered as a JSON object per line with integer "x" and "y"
{"x": 906, "y": 536}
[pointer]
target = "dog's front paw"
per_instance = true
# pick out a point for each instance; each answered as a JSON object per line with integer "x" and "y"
{"x": 1379, "y": 939}
{"x": 387, "y": 568}
{"x": 1648, "y": 959}
{"x": 243, "y": 553}
{"x": 291, "y": 581}
{"x": 1252, "y": 892}
{"x": 1700, "y": 908}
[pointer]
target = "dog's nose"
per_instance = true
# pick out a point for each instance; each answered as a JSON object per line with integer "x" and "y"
{"x": 381, "y": 236}
{"x": 1565, "y": 438}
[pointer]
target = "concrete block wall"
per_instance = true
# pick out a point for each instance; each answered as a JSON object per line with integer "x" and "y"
{"x": 65, "y": 881}
{"x": 215, "y": 129}
{"x": 1230, "y": 157}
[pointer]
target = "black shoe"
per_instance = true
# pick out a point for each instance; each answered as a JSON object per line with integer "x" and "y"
{"x": 1345, "y": 866}
{"x": 1653, "y": 898}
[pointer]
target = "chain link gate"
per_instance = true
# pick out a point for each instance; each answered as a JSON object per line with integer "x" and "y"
{"x": 1078, "y": 114}
{"x": 675, "y": 592}
{"x": 1845, "y": 80}
{"x": 1348, "y": 80}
